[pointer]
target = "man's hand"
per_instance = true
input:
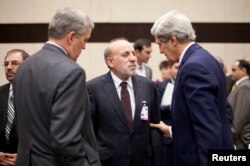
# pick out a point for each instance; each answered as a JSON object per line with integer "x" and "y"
{"x": 7, "y": 159}
{"x": 163, "y": 127}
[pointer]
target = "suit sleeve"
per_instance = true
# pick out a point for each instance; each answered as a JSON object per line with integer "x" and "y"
{"x": 200, "y": 92}
{"x": 68, "y": 113}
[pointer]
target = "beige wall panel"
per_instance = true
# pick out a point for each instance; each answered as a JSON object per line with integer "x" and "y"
{"x": 13, "y": 11}
{"x": 235, "y": 11}
{"x": 45, "y": 9}
{"x": 247, "y": 10}
{"x": 100, "y": 10}
{"x": 204, "y": 11}
{"x": 171, "y": 5}
{"x": 135, "y": 11}
{"x": 37, "y": 11}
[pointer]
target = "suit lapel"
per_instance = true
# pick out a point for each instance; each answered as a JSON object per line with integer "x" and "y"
{"x": 138, "y": 100}
{"x": 4, "y": 105}
{"x": 111, "y": 94}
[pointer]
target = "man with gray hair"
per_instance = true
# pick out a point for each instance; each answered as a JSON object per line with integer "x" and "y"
{"x": 53, "y": 109}
{"x": 199, "y": 120}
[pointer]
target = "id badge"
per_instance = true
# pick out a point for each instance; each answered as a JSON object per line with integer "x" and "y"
{"x": 144, "y": 111}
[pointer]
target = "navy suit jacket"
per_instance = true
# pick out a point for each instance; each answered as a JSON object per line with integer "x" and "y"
{"x": 199, "y": 109}
{"x": 11, "y": 147}
{"x": 119, "y": 145}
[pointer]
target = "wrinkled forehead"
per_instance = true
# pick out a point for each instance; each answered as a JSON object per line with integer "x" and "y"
{"x": 121, "y": 46}
{"x": 15, "y": 56}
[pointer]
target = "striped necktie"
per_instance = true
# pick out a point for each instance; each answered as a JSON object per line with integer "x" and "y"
{"x": 10, "y": 117}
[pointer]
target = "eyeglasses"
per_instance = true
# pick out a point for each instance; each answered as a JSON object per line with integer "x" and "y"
{"x": 13, "y": 64}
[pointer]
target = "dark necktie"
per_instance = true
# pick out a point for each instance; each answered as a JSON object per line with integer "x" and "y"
{"x": 10, "y": 117}
{"x": 126, "y": 105}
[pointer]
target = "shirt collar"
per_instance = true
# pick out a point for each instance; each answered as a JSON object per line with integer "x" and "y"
{"x": 241, "y": 80}
{"x": 57, "y": 45}
{"x": 184, "y": 51}
{"x": 118, "y": 81}
{"x": 11, "y": 87}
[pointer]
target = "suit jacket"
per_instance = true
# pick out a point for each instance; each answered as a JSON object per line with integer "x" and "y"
{"x": 119, "y": 145}
{"x": 165, "y": 110}
{"x": 148, "y": 72}
{"x": 239, "y": 100}
{"x": 10, "y": 147}
{"x": 199, "y": 109}
{"x": 53, "y": 111}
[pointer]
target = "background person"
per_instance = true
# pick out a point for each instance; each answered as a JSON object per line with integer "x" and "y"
{"x": 8, "y": 134}
{"x": 53, "y": 109}
{"x": 121, "y": 114}
{"x": 199, "y": 117}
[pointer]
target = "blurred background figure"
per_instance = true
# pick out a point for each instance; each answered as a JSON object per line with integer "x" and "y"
{"x": 164, "y": 68}
{"x": 8, "y": 133}
{"x": 165, "y": 92}
{"x": 239, "y": 99}
{"x": 143, "y": 50}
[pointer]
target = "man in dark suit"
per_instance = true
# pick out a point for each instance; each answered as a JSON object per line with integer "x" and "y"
{"x": 143, "y": 50}
{"x": 165, "y": 93}
{"x": 53, "y": 109}
{"x": 199, "y": 100}
{"x": 121, "y": 124}
{"x": 8, "y": 134}
{"x": 239, "y": 100}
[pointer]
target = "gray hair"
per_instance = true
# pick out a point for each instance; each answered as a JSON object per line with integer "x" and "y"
{"x": 67, "y": 20}
{"x": 173, "y": 23}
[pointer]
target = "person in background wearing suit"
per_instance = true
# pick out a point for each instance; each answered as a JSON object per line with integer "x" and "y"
{"x": 123, "y": 105}
{"x": 53, "y": 109}
{"x": 239, "y": 100}
{"x": 143, "y": 50}
{"x": 165, "y": 93}
{"x": 165, "y": 70}
{"x": 199, "y": 117}
{"x": 8, "y": 134}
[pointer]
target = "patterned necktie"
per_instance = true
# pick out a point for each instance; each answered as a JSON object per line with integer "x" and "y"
{"x": 126, "y": 105}
{"x": 10, "y": 117}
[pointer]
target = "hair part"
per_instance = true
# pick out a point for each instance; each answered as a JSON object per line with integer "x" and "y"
{"x": 173, "y": 23}
{"x": 67, "y": 20}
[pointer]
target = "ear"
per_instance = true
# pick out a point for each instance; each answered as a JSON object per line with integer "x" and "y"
{"x": 109, "y": 61}
{"x": 70, "y": 37}
{"x": 137, "y": 52}
{"x": 173, "y": 40}
{"x": 244, "y": 71}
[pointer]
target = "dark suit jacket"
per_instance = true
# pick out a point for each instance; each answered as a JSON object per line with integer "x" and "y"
{"x": 11, "y": 147}
{"x": 199, "y": 109}
{"x": 118, "y": 145}
{"x": 149, "y": 73}
{"x": 53, "y": 112}
{"x": 239, "y": 99}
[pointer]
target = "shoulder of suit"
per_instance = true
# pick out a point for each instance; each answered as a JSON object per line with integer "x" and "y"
{"x": 99, "y": 79}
